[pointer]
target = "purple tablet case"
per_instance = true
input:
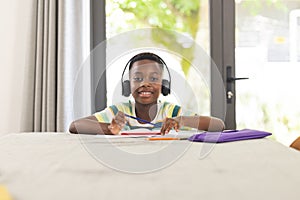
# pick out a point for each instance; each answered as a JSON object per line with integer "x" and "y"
{"x": 228, "y": 136}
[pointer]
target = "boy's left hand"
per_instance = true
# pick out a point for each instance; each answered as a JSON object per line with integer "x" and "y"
{"x": 168, "y": 124}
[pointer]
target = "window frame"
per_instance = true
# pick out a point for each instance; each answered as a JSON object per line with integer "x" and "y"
{"x": 222, "y": 36}
{"x": 98, "y": 63}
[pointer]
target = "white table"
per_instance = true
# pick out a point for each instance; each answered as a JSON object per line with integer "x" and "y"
{"x": 42, "y": 166}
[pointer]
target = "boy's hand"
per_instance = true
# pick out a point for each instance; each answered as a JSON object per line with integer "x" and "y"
{"x": 170, "y": 123}
{"x": 117, "y": 123}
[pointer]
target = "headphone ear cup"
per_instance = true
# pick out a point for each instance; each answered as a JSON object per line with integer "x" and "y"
{"x": 165, "y": 87}
{"x": 126, "y": 88}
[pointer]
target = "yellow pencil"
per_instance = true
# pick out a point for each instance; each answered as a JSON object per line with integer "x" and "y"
{"x": 4, "y": 195}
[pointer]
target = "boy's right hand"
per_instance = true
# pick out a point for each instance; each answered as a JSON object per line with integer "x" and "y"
{"x": 170, "y": 123}
{"x": 117, "y": 123}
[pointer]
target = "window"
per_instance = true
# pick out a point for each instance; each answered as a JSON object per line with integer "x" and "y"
{"x": 188, "y": 18}
{"x": 267, "y": 51}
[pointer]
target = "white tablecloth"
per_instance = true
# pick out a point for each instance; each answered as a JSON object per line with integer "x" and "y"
{"x": 42, "y": 166}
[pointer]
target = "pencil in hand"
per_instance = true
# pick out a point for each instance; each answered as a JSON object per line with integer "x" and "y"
{"x": 139, "y": 119}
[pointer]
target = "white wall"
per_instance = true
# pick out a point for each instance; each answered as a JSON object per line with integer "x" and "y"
{"x": 15, "y": 21}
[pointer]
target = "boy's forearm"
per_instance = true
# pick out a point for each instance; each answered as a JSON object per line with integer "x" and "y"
{"x": 215, "y": 124}
{"x": 202, "y": 123}
{"x": 88, "y": 126}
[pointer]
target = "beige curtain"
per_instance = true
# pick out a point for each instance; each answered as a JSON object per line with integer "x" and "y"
{"x": 60, "y": 42}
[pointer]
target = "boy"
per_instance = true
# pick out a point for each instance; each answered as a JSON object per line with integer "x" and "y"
{"x": 145, "y": 84}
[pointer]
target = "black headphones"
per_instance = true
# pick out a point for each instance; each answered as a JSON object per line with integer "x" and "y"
{"x": 165, "y": 86}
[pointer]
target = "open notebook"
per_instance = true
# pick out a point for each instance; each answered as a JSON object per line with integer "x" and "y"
{"x": 134, "y": 133}
{"x": 156, "y": 133}
{"x": 141, "y": 131}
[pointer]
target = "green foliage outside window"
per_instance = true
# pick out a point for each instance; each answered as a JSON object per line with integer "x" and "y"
{"x": 174, "y": 15}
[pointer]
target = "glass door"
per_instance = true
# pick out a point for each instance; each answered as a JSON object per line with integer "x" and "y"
{"x": 267, "y": 51}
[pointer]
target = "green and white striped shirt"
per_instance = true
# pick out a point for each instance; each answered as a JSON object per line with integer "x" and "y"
{"x": 165, "y": 109}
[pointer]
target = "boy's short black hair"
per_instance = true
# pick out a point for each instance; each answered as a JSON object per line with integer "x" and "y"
{"x": 146, "y": 56}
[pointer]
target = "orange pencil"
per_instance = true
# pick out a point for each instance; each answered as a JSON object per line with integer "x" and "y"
{"x": 165, "y": 138}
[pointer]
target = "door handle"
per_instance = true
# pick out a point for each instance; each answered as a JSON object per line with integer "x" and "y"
{"x": 230, "y": 80}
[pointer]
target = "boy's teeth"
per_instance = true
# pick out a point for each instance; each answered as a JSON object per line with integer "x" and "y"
{"x": 145, "y": 93}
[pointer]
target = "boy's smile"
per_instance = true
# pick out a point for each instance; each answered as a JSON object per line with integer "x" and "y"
{"x": 145, "y": 81}
{"x": 145, "y": 94}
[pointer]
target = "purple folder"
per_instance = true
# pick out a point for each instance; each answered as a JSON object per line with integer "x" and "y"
{"x": 228, "y": 136}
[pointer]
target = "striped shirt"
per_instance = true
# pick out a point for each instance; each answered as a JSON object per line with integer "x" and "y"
{"x": 165, "y": 109}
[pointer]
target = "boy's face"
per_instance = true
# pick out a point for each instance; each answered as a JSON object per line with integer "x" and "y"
{"x": 145, "y": 81}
